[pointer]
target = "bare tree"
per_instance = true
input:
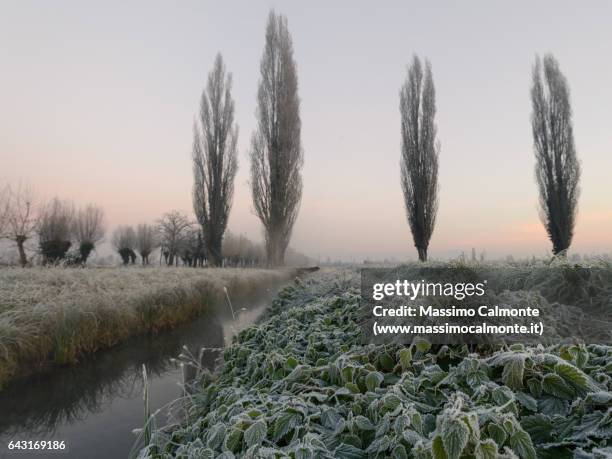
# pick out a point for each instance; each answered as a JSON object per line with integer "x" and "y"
{"x": 557, "y": 169}
{"x": 88, "y": 229}
{"x": 172, "y": 228}
{"x": 214, "y": 159}
{"x": 124, "y": 241}
{"x": 54, "y": 230}
{"x": 146, "y": 241}
{"x": 420, "y": 151}
{"x": 21, "y": 218}
{"x": 276, "y": 151}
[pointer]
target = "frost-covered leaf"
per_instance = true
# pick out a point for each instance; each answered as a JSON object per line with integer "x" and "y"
{"x": 573, "y": 376}
{"x": 379, "y": 445}
{"x": 521, "y": 444}
{"x": 383, "y": 426}
{"x": 215, "y": 436}
{"x": 284, "y": 423}
{"x": 386, "y": 362}
{"x": 535, "y": 387}
{"x": 364, "y": 423}
{"x": 291, "y": 363}
{"x": 399, "y": 452}
{"x": 502, "y": 395}
{"x": 422, "y": 344}
{"x": 538, "y": 426}
{"x": 233, "y": 441}
{"x": 347, "y": 374}
{"x": 255, "y": 433}
{"x": 514, "y": 369}
{"x": 497, "y": 433}
{"x": 391, "y": 401}
{"x": 455, "y": 435}
{"x": 599, "y": 398}
{"x": 554, "y": 384}
{"x": 553, "y": 405}
{"x": 344, "y": 451}
{"x": 304, "y": 452}
{"x": 437, "y": 448}
{"x": 373, "y": 380}
{"x": 330, "y": 418}
{"x": 299, "y": 373}
{"x": 486, "y": 449}
{"x": 405, "y": 358}
{"x": 527, "y": 401}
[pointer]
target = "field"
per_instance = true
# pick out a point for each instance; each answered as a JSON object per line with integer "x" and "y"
{"x": 303, "y": 384}
{"x": 54, "y": 316}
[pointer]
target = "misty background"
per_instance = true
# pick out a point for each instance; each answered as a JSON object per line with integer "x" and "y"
{"x": 98, "y": 102}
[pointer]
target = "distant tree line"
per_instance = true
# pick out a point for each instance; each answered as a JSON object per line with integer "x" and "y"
{"x": 57, "y": 226}
{"x": 181, "y": 242}
{"x": 58, "y": 232}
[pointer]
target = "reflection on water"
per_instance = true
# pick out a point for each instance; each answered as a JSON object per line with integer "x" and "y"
{"x": 94, "y": 406}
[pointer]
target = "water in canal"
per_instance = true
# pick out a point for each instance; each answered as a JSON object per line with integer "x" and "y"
{"x": 94, "y": 406}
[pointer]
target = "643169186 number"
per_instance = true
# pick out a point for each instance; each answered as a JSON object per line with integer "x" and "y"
{"x": 36, "y": 445}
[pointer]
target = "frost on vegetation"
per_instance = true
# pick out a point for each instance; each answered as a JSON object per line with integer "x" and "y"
{"x": 58, "y": 315}
{"x": 302, "y": 384}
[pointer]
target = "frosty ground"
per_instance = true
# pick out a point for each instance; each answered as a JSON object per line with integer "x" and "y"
{"x": 303, "y": 383}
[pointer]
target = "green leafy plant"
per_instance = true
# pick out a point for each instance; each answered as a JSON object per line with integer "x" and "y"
{"x": 303, "y": 384}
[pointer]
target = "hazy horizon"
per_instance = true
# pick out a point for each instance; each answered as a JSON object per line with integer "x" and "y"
{"x": 99, "y": 100}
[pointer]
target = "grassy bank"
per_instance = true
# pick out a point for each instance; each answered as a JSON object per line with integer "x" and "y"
{"x": 51, "y": 316}
{"x": 302, "y": 384}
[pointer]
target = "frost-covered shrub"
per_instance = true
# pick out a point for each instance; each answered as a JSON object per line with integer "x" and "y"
{"x": 302, "y": 384}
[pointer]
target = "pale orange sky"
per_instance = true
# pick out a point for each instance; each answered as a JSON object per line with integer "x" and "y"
{"x": 98, "y": 102}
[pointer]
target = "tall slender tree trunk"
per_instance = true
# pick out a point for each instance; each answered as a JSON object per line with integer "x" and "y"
{"x": 23, "y": 259}
{"x": 214, "y": 244}
{"x": 275, "y": 249}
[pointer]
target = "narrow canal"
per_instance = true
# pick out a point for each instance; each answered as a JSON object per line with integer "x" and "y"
{"x": 95, "y": 406}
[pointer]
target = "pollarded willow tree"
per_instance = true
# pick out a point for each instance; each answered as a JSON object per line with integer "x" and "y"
{"x": 124, "y": 241}
{"x": 55, "y": 230}
{"x": 146, "y": 241}
{"x": 420, "y": 151}
{"x": 88, "y": 229}
{"x": 214, "y": 159}
{"x": 276, "y": 150}
{"x": 557, "y": 169}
